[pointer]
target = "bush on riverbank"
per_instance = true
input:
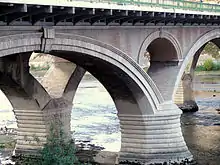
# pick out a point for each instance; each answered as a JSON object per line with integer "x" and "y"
{"x": 7, "y": 141}
{"x": 212, "y": 49}
{"x": 57, "y": 151}
{"x": 39, "y": 67}
{"x": 208, "y": 65}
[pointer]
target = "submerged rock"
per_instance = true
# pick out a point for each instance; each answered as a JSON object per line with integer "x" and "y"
{"x": 189, "y": 106}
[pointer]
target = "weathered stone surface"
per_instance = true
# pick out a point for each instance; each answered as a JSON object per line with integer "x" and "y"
{"x": 179, "y": 95}
{"x": 153, "y": 138}
{"x": 57, "y": 77}
{"x": 187, "y": 103}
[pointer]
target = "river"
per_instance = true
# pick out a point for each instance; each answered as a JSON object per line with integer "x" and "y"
{"x": 95, "y": 121}
{"x": 201, "y": 129}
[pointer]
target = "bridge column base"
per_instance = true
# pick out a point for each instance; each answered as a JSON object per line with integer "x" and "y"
{"x": 189, "y": 104}
{"x": 58, "y": 115}
{"x": 31, "y": 132}
{"x": 149, "y": 139}
{"x": 34, "y": 125}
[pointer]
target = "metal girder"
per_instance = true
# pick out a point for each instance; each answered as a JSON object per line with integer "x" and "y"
{"x": 152, "y": 20}
{"x": 100, "y": 14}
{"x": 33, "y": 11}
{"x": 145, "y": 16}
{"x": 56, "y": 12}
{"x": 13, "y": 9}
{"x": 155, "y": 18}
{"x": 132, "y": 16}
{"x": 169, "y": 18}
{"x": 116, "y": 16}
{"x": 77, "y": 13}
{"x": 97, "y": 18}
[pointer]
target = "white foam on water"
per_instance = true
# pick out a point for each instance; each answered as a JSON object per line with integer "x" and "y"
{"x": 91, "y": 120}
{"x": 7, "y": 118}
{"x": 111, "y": 142}
{"x": 4, "y": 102}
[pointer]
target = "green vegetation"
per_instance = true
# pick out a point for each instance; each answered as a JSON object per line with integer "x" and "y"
{"x": 39, "y": 68}
{"x": 209, "y": 65}
{"x": 212, "y": 50}
{"x": 57, "y": 151}
{"x": 7, "y": 141}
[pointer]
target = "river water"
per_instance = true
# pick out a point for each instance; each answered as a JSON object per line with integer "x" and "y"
{"x": 95, "y": 121}
{"x": 201, "y": 129}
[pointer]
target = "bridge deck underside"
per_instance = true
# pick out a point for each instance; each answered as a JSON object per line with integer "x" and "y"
{"x": 22, "y": 14}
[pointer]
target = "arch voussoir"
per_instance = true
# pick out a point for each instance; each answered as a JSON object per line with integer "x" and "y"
{"x": 194, "y": 51}
{"x": 157, "y": 35}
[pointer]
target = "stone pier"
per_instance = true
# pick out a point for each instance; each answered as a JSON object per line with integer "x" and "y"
{"x": 35, "y": 109}
{"x": 184, "y": 96}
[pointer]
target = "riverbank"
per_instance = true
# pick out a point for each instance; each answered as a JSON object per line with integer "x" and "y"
{"x": 209, "y": 73}
{"x": 7, "y": 145}
{"x": 201, "y": 131}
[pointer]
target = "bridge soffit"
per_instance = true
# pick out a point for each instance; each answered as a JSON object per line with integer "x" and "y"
{"x": 47, "y": 41}
{"x": 196, "y": 47}
{"x": 21, "y": 79}
{"x": 155, "y": 35}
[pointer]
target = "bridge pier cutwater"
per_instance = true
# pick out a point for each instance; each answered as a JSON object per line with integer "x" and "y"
{"x": 110, "y": 43}
{"x": 184, "y": 97}
{"x": 153, "y": 138}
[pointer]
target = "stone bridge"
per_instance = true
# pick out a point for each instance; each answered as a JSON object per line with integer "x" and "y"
{"x": 115, "y": 54}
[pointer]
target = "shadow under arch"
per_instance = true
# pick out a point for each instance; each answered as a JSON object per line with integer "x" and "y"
{"x": 160, "y": 34}
{"x": 195, "y": 50}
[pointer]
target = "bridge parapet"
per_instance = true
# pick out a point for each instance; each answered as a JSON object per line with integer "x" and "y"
{"x": 119, "y": 4}
{"x": 118, "y": 12}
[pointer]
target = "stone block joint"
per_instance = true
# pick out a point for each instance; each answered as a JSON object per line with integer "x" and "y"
{"x": 47, "y": 39}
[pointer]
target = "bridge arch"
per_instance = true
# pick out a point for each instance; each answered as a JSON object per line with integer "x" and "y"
{"x": 29, "y": 42}
{"x": 144, "y": 115}
{"x": 26, "y": 104}
{"x": 159, "y": 35}
{"x": 194, "y": 52}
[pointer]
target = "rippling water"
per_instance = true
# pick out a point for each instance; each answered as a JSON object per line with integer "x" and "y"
{"x": 94, "y": 116}
{"x": 201, "y": 129}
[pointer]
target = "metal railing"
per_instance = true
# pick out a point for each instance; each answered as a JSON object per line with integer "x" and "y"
{"x": 168, "y": 4}
{"x": 174, "y": 4}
